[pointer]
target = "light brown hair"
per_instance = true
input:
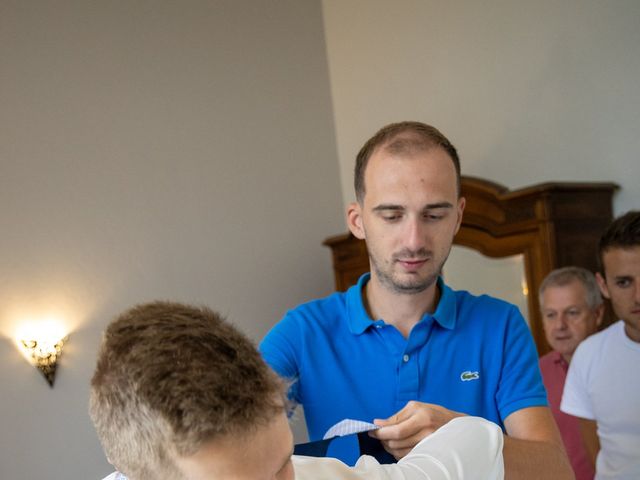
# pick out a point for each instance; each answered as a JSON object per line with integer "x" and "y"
{"x": 172, "y": 377}
{"x": 419, "y": 137}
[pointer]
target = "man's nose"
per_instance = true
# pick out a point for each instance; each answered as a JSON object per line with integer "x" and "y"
{"x": 414, "y": 235}
{"x": 562, "y": 321}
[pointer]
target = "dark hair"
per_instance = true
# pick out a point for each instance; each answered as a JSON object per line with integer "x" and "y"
{"x": 421, "y": 137}
{"x": 170, "y": 378}
{"x": 623, "y": 232}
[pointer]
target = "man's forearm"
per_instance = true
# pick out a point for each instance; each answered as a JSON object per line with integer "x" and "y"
{"x": 590, "y": 440}
{"x": 526, "y": 459}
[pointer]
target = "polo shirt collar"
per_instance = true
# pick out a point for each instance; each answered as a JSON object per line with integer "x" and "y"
{"x": 558, "y": 359}
{"x": 358, "y": 317}
{"x": 359, "y": 320}
{"x": 447, "y": 309}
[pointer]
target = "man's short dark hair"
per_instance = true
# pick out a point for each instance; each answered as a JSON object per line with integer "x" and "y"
{"x": 403, "y": 138}
{"x": 623, "y": 232}
{"x": 172, "y": 377}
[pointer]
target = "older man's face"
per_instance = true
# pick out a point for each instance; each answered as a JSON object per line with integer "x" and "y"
{"x": 567, "y": 318}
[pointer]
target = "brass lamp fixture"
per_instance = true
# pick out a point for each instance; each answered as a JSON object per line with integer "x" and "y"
{"x": 44, "y": 355}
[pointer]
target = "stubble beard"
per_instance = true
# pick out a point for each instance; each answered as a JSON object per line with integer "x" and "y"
{"x": 410, "y": 287}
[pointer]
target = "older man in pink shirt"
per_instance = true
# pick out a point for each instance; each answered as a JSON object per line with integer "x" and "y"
{"x": 572, "y": 309}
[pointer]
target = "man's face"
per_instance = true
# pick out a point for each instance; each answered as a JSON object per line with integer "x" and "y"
{"x": 567, "y": 318}
{"x": 263, "y": 454}
{"x": 409, "y": 215}
{"x": 621, "y": 285}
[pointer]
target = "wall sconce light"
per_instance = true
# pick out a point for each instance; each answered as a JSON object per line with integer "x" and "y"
{"x": 44, "y": 355}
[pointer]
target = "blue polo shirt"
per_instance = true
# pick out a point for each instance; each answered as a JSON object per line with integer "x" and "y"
{"x": 473, "y": 355}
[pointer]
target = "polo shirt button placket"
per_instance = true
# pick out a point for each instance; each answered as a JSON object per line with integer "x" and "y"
{"x": 408, "y": 382}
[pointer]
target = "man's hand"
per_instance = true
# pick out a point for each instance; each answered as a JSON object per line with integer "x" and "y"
{"x": 402, "y": 431}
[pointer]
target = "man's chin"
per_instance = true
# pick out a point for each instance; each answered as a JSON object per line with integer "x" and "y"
{"x": 413, "y": 287}
{"x": 404, "y": 283}
{"x": 410, "y": 289}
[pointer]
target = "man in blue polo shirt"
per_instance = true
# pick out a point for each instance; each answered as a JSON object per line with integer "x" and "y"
{"x": 401, "y": 347}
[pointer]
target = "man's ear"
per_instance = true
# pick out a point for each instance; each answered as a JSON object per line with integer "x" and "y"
{"x": 602, "y": 284}
{"x": 459, "y": 210}
{"x": 599, "y": 314}
{"x": 354, "y": 220}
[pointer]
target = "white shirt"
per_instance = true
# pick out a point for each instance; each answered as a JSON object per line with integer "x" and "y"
{"x": 466, "y": 448}
{"x": 115, "y": 476}
{"x": 602, "y": 385}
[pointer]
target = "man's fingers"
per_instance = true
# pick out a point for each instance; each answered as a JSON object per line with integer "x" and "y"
{"x": 401, "y": 415}
{"x": 411, "y": 430}
{"x": 411, "y": 424}
{"x": 397, "y": 417}
{"x": 383, "y": 422}
{"x": 399, "y": 453}
{"x": 404, "y": 443}
{"x": 404, "y": 430}
{"x": 392, "y": 432}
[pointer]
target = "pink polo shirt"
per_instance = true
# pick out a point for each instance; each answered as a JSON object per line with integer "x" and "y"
{"x": 554, "y": 373}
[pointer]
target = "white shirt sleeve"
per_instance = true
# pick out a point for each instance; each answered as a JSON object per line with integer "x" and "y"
{"x": 575, "y": 396}
{"x": 463, "y": 449}
{"x": 115, "y": 476}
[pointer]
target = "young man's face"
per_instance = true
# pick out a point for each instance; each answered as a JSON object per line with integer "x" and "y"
{"x": 263, "y": 454}
{"x": 409, "y": 215}
{"x": 621, "y": 284}
{"x": 567, "y": 318}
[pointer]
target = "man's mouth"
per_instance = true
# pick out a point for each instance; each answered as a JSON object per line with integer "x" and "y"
{"x": 412, "y": 264}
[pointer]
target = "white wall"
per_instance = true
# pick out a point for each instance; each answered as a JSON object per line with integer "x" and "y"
{"x": 152, "y": 149}
{"x": 528, "y": 91}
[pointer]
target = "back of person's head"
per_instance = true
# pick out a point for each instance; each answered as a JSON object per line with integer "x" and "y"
{"x": 402, "y": 138}
{"x": 170, "y": 378}
{"x": 623, "y": 232}
{"x": 566, "y": 276}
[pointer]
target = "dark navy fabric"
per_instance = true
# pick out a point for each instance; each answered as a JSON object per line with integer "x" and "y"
{"x": 312, "y": 449}
{"x": 367, "y": 446}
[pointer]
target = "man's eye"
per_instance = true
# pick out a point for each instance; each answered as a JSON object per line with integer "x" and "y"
{"x": 391, "y": 218}
{"x": 623, "y": 283}
{"x": 573, "y": 313}
{"x": 432, "y": 216}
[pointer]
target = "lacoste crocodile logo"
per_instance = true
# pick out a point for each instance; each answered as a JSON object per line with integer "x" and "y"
{"x": 467, "y": 376}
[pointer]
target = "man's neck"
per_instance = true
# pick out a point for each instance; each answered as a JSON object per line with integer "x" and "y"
{"x": 632, "y": 332}
{"x": 401, "y": 310}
